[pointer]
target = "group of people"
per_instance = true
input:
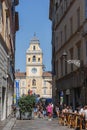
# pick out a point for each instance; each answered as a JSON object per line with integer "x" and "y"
{"x": 68, "y": 109}
{"x": 41, "y": 110}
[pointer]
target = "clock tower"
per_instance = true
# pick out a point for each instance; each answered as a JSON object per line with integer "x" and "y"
{"x": 34, "y": 66}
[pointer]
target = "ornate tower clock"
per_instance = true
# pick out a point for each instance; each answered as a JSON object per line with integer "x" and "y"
{"x": 34, "y": 67}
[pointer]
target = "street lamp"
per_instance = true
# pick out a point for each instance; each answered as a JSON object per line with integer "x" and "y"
{"x": 77, "y": 63}
{"x": 64, "y": 54}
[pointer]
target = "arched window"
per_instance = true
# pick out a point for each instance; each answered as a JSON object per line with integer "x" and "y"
{"x": 34, "y": 48}
{"x": 38, "y": 59}
{"x": 34, "y": 59}
{"x": 28, "y": 59}
{"x": 34, "y": 82}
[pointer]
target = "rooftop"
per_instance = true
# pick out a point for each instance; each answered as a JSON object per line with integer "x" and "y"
{"x": 34, "y": 40}
{"x": 47, "y": 74}
{"x": 20, "y": 74}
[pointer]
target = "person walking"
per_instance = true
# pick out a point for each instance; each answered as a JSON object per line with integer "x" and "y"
{"x": 35, "y": 111}
{"x": 49, "y": 109}
{"x": 57, "y": 110}
{"x": 44, "y": 111}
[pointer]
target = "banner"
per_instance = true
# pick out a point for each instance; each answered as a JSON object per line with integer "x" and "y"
{"x": 17, "y": 91}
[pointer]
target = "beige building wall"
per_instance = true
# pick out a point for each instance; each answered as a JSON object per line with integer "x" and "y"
{"x": 47, "y": 85}
{"x": 8, "y": 23}
{"x": 69, "y": 34}
{"x": 22, "y": 87}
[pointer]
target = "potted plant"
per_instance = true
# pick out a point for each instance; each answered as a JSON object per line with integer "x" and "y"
{"x": 26, "y": 104}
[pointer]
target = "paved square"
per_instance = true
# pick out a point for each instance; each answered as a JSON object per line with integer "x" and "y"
{"x": 39, "y": 124}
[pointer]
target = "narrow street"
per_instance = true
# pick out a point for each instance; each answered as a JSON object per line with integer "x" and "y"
{"x": 39, "y": 124}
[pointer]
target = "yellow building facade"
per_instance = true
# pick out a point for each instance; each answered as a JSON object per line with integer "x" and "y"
{"x": 37, "y": 80}
{"x": 34, "y": 66}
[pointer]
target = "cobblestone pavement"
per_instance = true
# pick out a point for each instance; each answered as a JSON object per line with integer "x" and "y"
{"x": 6, "y": 122}
{"x": 39, "y": 124}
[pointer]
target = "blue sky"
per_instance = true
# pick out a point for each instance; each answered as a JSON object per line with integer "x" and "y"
{"x": 33, "y": 17}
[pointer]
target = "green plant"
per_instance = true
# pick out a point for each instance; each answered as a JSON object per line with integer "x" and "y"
{"x": 26, "y": 103}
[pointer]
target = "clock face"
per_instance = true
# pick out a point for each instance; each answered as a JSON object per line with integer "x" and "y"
{"x": 34, "y": 70}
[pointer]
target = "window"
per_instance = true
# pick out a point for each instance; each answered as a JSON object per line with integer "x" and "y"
{"x": 61, "y": 63}
{"x": 23, "y": 92}
{"x": 7, "y": 24}
{"x": 23, "y": 84}
{"x": 65, "y": 32}
{"x": 79, "y": 52}
{"x": 57, "y": 68}
{"x": 71, "y": 57}
{"x": 65, "y": 65}
{"x": 34, "y": 82}
{"x": 61, "y": 10}
{"x": 34, "y": 48}
{"x": 38, "y": 59}
{"x": 44, "y": 83}
{"x": 44, "y": 91}
{"x": 58, "y": 2}
{"x": 78, "y": 17}
{"x": 56, "y": 5}
{"x": 28, "y": 59}
{"x": 66, "y": 3}
{"x": 34, "y": 59}
{"x": 61, "y": 37}
{"x": 56, "y": 41}
{"x": 71, "y": 26}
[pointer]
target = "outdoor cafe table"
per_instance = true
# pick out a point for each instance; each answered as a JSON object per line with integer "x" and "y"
{"x": 73, "y": 120}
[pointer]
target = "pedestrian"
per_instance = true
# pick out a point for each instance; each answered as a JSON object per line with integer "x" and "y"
{"x": 44, "y": 111}
{"x": 14, "y": 110}
{"x": 49, "y": 111}
{"x": 57, "y": 110}
{"x": 85, "y": 116}
{"x": 40, "y": 111}
{"x": 35, "y": 110}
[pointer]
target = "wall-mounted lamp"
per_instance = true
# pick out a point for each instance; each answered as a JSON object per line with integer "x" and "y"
{"x": 64, "y": 54}
{"x": 76, "y": 62}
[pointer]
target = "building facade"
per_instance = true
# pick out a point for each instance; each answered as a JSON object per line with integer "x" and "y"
{"x": 37, "y": 80}
{"x": 8, "y": 28}
{"x": 34, "y": 66}
{"x": 69, "y": 37}
{"x": 20, "y": 86}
